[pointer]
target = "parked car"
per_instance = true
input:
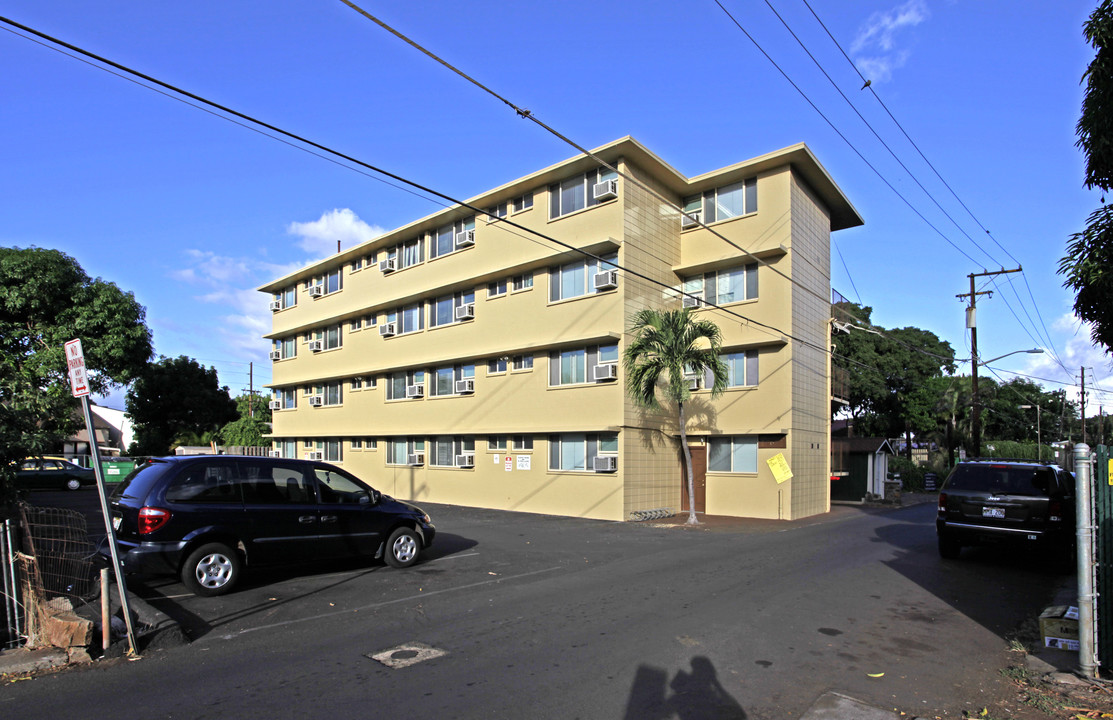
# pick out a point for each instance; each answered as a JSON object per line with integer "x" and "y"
{"x": 48, "y": 473}
{"x": 207, "y": 517}
{"x": 1023, "y": 502}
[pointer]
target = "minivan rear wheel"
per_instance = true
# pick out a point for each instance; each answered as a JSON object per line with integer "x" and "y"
{"x": 211, "y": 570}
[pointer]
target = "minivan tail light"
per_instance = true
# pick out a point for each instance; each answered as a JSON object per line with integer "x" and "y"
{"x": 942, "y": 502}
{"x": 151, "y": 519}
{"x": 1055, "y": 511}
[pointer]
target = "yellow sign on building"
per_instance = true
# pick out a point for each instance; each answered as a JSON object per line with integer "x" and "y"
{"x": 780, "y": 468}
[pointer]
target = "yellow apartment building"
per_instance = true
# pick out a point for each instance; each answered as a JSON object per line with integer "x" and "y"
{"x": 473, "y": 357}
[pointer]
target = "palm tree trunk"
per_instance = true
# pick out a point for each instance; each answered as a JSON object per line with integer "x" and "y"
{"x": 688, "y": 466}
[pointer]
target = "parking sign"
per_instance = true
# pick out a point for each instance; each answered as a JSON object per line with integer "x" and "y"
{"x": 75, "y": 359}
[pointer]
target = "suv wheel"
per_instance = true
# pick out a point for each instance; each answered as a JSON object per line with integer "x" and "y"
{"x": 949, "y": 548}
{"x": 211, "y": 569}
{"x": 402, "y": 548}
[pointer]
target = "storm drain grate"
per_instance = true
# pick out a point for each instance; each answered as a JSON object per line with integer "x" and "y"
{"x": 408, "y": 654}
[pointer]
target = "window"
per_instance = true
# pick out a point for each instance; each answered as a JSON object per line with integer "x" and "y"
{"x": 398, "y": 450}
{"x": 577, "y": 451}
{"x": 357, "y": 264}
{"x": 496, "y": 442}
{"x": 522, "y": 202}
{"x": 331, "y": 450}
{"x": 576, "y": 193}
{"x": 496, "y": 288}
{"x": 577, "y": 278}
{"x": 443, "y": 380}
{"x": 574, "y": 367}
{"x": 729, "y": 201}
{"x": 289, "y": 398}
{"x": 736, "y": 454}
{"x": 370, "y": 320}
{"x": 444, "y": 242}
{"x": 412, "y": 253}
{"x": 357, "y": 383}
{"x": 287, "y": 297}
{"x": 445, "y": 448}
{"x": 355, "y": 325}
{"x": 496, "y": 366}
{"x": 442, "y": 311}
{"x": 522, "y": 282}
{"x": 287, "y": 346}
{"x": 523, "y": 362}
{"x": 496, "y": 213}
{"x": 741, "y": 369}
{"x": 724, "y": 286}
{"x": 331, "y": 393}
{"x": 399, "y": 381}
{"x": 330, "y": 337}
{"x": 332, "y": 282}
{"x": 412, "y": 319}
{"x": 523, "y": 443}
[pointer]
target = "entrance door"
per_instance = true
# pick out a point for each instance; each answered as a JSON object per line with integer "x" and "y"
{"x": 699, "y": 479}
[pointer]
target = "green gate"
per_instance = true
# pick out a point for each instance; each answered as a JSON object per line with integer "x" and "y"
{"x": 1103, "y": 554}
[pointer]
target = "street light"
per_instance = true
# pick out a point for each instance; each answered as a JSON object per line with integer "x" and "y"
{"x": 976, "y": 415}
{"x": 1039, "y": 441}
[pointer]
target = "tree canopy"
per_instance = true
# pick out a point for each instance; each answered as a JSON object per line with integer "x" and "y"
{"x": 175, "y": 400}
{"x": 47, "y": 299}
{"x": 1088, "y": 264}
{"x": 252, "y": 425}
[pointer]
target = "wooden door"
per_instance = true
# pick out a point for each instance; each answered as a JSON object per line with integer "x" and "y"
{"x": 699, "y": 479}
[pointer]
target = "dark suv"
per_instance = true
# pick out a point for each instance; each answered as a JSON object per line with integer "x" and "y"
{"x": 206, "y": 517}
{"x": 1008, "y": 501}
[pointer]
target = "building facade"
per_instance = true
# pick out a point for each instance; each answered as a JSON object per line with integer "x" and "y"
{"x": 473, "y": 357}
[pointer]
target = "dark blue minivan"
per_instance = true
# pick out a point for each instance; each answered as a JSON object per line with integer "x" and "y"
{"x": 206, "y": 517}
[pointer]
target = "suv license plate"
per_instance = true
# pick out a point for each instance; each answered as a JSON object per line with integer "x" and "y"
{"x": 116, "y": 522}
{"x": 992, "y": 512}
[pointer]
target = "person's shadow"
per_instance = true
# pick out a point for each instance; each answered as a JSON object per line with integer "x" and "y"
{"x": 696, "y": 695}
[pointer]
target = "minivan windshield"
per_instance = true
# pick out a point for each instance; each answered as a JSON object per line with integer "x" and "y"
{"x": 1002, "y": 479}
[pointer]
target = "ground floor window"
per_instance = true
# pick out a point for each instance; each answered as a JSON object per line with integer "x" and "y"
{"x": 577, "y": 451}
{"x": 737, "y": 454}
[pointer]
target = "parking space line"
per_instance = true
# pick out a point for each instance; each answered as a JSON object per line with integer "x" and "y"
{"x": 375, "y": 606}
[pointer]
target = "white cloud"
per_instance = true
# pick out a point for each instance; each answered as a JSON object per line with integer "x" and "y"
{"x": 339, "y": 225}
{"x": 875, "y": 46}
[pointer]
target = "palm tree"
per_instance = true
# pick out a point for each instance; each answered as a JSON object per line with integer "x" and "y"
{"x": 668, "y": 348}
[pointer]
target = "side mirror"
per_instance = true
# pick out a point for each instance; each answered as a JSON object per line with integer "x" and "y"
{"x": 376, "y": 496}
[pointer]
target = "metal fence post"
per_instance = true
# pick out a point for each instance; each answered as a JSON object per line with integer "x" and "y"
{"x": 1086, "y": 657}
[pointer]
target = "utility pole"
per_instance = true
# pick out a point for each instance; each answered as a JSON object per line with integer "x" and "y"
{"x": 1082, "y": 399}
{"x": 971, "y": 322}
{"x": 251, "y": 389}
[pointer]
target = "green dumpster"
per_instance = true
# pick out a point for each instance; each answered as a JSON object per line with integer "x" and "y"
{"x": 116, "y": 469}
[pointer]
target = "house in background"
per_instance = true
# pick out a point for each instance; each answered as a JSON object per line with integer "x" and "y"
{"x": 860, "y": 469}
{"x": 472, "y": 357}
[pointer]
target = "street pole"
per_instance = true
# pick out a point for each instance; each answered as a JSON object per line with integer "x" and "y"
{"x": 1085, "y": 527}
{"x": 971, "y": 323}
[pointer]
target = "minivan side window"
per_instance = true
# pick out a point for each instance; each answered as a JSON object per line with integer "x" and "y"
{"x": 336, "y": 488}
{"x": 204, "y": 484}
{"x": 265, "y": 483}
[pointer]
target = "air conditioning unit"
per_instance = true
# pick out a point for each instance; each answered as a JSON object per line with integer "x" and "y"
{"x": 466, "y": 312}
{"x": 693, "y": 302}
{"x": 316, "y": 345}
{"x": 276, "y": 354}
{"x": 465, "y": 386}
{"x": 276, "y": 453}
{"x": 605, "y": 190}
{"x": 315, "y": 455}
{"x": 465, "y": 239}
{"x": 276, "y": 305}
{"x": 317, "y": 291}
{"x": 389, "y": 265}
{"x": 606, "y": 280}
{"x": 689, "y": 220}
{"x": 466, "y": 460}
{"x": 388, "y": 329}
{"x": 608, "y": 371}
{"x": 693, "y": 382}
{"x": 316, "y": 400}
{"x": 275, "y": 405}
{"x": 415, "y": 391}
{"x": 605, "y": 463}
{"x": 416, "y": 459}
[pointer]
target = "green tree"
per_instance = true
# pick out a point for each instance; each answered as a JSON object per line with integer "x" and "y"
{"x": 1088, "y": 264}
{"x": 47, "y": 299}
{"x": 667, "y": 346}
{"x": 175, "y": 400}
{"x": 251, "y": 428}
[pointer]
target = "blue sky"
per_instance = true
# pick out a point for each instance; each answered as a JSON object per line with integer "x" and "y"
{"x": 191, "y": 212}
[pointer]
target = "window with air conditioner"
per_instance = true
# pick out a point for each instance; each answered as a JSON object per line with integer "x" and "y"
{"x": 400, "y": 449}
{"x": 445, "y": 449}
{"x": 577, "y": 278}
{"x": 450, "y": 379}
{"x": 415, "y": 391}
{"x": 724, "y": 203}
{"x": 275, "y": 405}
{"x": 577, "y": 193}
{"x": 465, "y": 387}
{"x": 317, "y": 291}
{"x": 605, "y": 190}
{"x": 578, "y": 451}
{"x": 602, "y": 373}
{"x": 276, "y": 305}
{"x": 316, "y": 401}
{"x": 388, "y": 265}
{"x": 452, "y": 237}
{"x": 408, "y": 319}
{"x": 572, "y": 367}
{"x": 316, "y": 345}
{"x": 465, "y": 312}
{"x": 605, "y": 463}
{"x": 465, "y": 460}
{"x": 605, "y": 280}
{"x": 449, "y": 309}
{"x": 315, "y": 455}
{"x": 388, "y": 329}
{"x": 276, "y": 354}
